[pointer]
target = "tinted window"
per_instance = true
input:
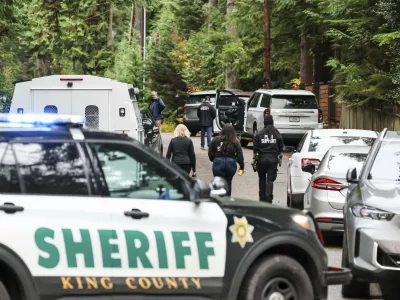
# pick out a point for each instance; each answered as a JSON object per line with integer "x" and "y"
{"x": 341, "y": 162}
{"x": 92, "y": 116}
{"x": 387, "y": 162}
{"x": 227, "y": 100}
{"x": 246, "y": 99}
{"x": 198, "y": 99}
{"x": 294, "y": 102}
{"x": 9, "y": 182}
{"x": 254, "y": 100}
{"x": 323, "y": 143}
{"x": 300, "y": 145}
{"x": 265, "y": 101}
{"x": 51, "y": 168}
{"x": 50, "y": 109}
{"x": 130, "y": 173}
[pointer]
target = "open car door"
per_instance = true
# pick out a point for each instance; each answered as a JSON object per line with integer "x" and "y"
{"x": 230, "y": 110}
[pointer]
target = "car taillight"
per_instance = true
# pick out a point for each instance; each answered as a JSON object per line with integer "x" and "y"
{"x": 309, "y": 161}
{"x": 320, "y": 116}
{"x": 267, "y": 112}
{"x": 320, "y": 236}
{"x": 124, "y": 133}
{"x": 327, "y": 184}
{"x": 71, "y": 79}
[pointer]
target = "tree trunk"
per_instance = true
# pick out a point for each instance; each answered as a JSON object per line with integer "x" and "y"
{"x": 132, "y": 24}
{"x": 110, "y": 26}
{"x": 306, "y": 61}
{"x": 267, "y": 45}
{"x": 232, "y": 80}
{"x": 212, "y": 4}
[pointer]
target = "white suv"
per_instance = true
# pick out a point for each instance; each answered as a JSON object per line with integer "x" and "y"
{"x": 294, "y": 111}
{"x": 311, "y": 149}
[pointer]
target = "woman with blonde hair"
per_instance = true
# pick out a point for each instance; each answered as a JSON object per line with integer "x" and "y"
{"x": 182, "y": 150}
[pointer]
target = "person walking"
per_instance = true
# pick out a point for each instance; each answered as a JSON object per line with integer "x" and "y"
{"x": 156, "y": 107}
{"x": 206, "y": 113}
{"x": 182, "y": 151}
{"x": 267, "y": 146}
{"x": 225, "y": 152}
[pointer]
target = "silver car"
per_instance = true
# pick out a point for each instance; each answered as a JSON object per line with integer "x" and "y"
{"x": 371, "y": 242}
{"x": 325, "y": 195}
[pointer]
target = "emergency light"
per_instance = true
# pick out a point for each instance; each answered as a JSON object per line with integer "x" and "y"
{"x": 43, "y": 119}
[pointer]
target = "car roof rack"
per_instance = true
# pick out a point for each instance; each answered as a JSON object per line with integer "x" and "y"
{"x": 42, "y": 120}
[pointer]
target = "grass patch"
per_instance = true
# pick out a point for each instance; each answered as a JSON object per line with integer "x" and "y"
{"x": 168, "y": 127}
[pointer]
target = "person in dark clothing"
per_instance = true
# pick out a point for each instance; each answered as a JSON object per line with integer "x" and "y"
{"x": 225, "y": 152}
{"x": 156, "y": 107}
{"x": 268, "y": 145}
{"x": 182, "y": 150}
{"x": 206, "y": 113}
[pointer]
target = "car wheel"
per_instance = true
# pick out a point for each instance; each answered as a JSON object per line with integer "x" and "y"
{"x": 390, "y": 290}
{"x": 193, "y": 133}
{"x": 244, "y": 143}
{"x": 354, "y": 289}
{"x": 3, "y": 292}
{"x": 277, "y": 277}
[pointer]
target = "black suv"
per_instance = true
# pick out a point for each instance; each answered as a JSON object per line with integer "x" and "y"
{"x": 96, "y": 215}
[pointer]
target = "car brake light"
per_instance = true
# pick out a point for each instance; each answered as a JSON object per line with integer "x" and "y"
{"x": 309, "y": 161}
{"x": 320, "y": 116}
{"x": 327, "y": 184}
{"x": 320, "y": 236}
{"x": 267, "y": 112}
{"x": 123, "y": 133}
{"x": 71, "y": 79}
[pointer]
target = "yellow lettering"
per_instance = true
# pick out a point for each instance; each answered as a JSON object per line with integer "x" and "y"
{"x": 79, "y": 281}
{"x": 171, "y": 282}
{"x": 184, "y": 281}
{"x": 144, "y": 283}
{"x": 106, "y": 283}
{"x": 91, "y": 282}
{"x": 196, "y": 281}
{"x": 158, "y": 283}
{"x": 66, "y": 283}
{"x": 129, "y": 282}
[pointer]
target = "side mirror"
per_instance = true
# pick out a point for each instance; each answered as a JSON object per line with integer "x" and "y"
{"x": 219, "y": 187}
{"x": 352, "y": 176}
{"x": 156, "y": 129}
{"x": 147, "y": 124}
{"x": 309, "y": 169}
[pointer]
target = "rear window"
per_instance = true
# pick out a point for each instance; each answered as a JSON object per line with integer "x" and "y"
{"x": 324, "y": 143}
{"x": 197, "y": 99}
{"x": 294, "y": 102}
{"x": 227, "y": 100}
{"x": 386, "y": 166}
{"x": 340, "y": 162}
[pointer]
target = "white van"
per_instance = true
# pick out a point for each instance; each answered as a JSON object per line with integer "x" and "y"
{"x": 107, "y": 104}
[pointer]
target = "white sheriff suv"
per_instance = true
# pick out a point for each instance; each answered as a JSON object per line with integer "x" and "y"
{"x": 88, "y": 214}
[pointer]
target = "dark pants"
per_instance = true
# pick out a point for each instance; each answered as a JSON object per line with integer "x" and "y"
{"x": 225, "y": 167}
{"x": 186, "y": 168}
{"x": 267, "y": 173}
{"x": 209, "y": 134}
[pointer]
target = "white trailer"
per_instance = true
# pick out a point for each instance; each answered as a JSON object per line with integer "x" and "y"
{"x": 107, "y": 104}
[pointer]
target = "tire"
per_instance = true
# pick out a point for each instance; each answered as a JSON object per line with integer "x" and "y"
{"x": 193, "y": 133}
{"x": 244, "y": 143}
{"x": 354, "y": 289}
{"x": 277, "y": 273}
{"x": 3, "y": 292}
{"x": 390, "y": 290}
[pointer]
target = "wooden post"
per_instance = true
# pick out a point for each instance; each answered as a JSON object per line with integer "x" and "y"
{"x": 267, "y": 45}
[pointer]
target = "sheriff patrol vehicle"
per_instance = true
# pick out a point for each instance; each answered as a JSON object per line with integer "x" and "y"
{"x": 87, "y": 214}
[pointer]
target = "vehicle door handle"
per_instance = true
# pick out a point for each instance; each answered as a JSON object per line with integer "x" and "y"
{"x": 136, "y": 214}
{"x": 10, "y": 208}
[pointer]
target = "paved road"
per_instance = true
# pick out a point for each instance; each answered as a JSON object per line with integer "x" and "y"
{"x": 246, "y": 187}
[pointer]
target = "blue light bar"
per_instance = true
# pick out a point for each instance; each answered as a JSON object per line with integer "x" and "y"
{"x": 43, "y": 119}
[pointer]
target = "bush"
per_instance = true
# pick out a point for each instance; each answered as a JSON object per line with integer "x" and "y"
{"x": 167, "y": 127}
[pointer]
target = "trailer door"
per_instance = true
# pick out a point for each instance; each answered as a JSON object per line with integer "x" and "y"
{"x": 51, "y": 101}
{"x": 94, "y": 105}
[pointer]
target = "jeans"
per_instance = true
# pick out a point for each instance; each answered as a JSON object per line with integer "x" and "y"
{"x": 225, "y": 167}
{"x": 267, "y": 173}
{"x": 209, "y": 134}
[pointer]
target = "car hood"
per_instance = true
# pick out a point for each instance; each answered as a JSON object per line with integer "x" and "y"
{"x": 382, "y": 195}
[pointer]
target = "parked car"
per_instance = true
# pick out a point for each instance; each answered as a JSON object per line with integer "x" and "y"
{"x": 310, "y": 151}
{"x": 325, "y": 195}
{"x": 152, "y": 135}
{"x": 190, "y": 118}
{"x": 294, "y": 111}
{"x": 371, "y": 241}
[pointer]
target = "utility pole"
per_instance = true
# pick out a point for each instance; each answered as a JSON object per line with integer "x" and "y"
{"x": 144, "y": 49}
{"x": 110, "y": 26}
{"x": 132, "y": 24}
{"x": 267, "y": 45}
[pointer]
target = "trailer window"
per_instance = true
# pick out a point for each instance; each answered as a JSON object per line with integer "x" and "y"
{"x": 51, "y": 109}
{"x": 92, "y": 116}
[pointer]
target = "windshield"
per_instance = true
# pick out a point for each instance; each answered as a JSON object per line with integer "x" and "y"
{"x": 324, "y": 143}
{"x": 337, "y": 161}
{"x": 294, "y": 102}
{"x": 386, "y": 166}
{"x": 197, "y": 99}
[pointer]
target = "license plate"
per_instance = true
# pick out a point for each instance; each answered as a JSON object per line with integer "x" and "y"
{"x": 294, "y": 119}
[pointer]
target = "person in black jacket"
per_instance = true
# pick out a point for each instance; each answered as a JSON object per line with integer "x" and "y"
{"x": 268, "y": 145}
{"x": 206, "y": 113}
{"x": 225, "y": 152}
{"x": 182, "y": 150}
